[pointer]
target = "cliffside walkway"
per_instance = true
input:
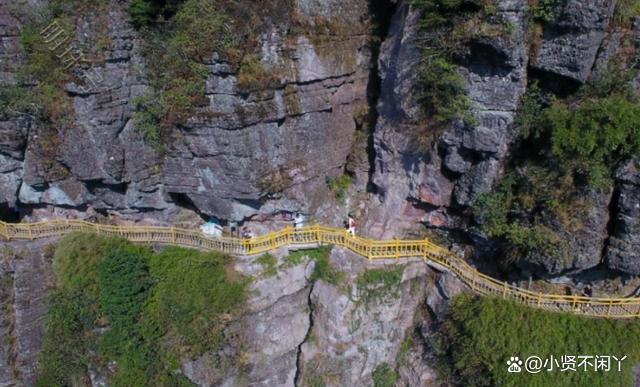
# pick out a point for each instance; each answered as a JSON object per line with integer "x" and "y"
{"x": 370, "y": 249}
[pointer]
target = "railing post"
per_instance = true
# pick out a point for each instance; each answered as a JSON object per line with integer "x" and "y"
{"x": 397, "y": 248}
{"x": 173, "y": 236}
{"x": 539, "y": 299}
{"x": 30, "y": 231}
{"x": 504, "y": 292}
{"x": 247, "y": 247}
{"x": 609, "y": 309}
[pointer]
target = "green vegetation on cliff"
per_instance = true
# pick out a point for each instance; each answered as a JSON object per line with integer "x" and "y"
{"x": 511, "y": 213}
{"x": 153, "y": 310}
{"x": 447, "y": 29}
{"x": 382, "y": 284}
{"x": 587, "y": 134}
{"x": 384, "y": 376}
{"x": 39, "y": 88}
{"x": 181, "y": 38}
{"x": 570, "y": 149}
{"x": 481, "y": 334}
{"x": 176, "y": 49}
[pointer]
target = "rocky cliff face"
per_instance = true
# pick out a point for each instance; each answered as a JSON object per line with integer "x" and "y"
{"x": 25, "y": 279}
{"x": 622, "y": 250}
{"x": 244, "y": 154}
{"x": 432, "y": 187}
{"x": 295, "y": 331}
{"x": 345, "y": 101}
{"x": 436, "y": 188}
{"x": 342, "y": 103}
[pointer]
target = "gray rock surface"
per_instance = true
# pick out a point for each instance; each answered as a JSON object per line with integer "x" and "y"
{"x": 624, "y": 244}
{"x": 352, "y": 333}
{"x": 583, "y": 237}
{"x": 225, "y": 159}
{"x": 257, "y": 156}
{"x": 25, "y": 280}
{"x": 14, "y": 129}
{"x": 573, "y": 39}
{"x": 466, "y": 160}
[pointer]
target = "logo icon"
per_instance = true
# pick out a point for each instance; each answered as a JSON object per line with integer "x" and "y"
{"x": 514, "y": 364}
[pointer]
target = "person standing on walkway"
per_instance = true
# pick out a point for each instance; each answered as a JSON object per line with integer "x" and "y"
{"x": 351, "y": 226}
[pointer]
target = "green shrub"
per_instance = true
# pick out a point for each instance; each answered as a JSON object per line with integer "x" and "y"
{"x": 299, "y": 256}
{"x": 625, "y": 11}
{"x": 295, "y": 258}
{"x": 380, "y": 284}
{"x": 16, "y": 100}
{"x": 339, "y": 186}
{"x": 505, "y": 214}
{"x": 589, "y": 133}
{"x": 253, "y": 76}
{"x": 269, "y": 265}
{"x": 594, "y": 135}
{"x": 144, "y": 13}
{"x": 64, "y": 357}
{"x": 326, "y": 272}
{"x": 444, "y": 90}
{"x": 194, "y": 295}
{"x": 43, "y": 76}
{"x": 48, "y": 100}
{"x": 569, "y": 147}
{"x": 193, "y": 30}
{"x": 157, "y": 308}
{"x": 77, "y": 258}
{"x": 447, "y": 28}
{"x": 481, "y": 334}
{"x": 125, "y": 284}
{"x": 385, "y": 376}
{"x": 148, "y": 116}
{"x": 323, "y": 269}
{"x": 543, "y": 11}
{"x": 529, "y": 112}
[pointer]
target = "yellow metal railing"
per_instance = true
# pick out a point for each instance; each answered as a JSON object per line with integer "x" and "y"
{"x": 371, "y": 249}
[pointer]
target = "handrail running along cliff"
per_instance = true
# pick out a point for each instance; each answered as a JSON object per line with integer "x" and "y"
{"x": 368, "y": 248}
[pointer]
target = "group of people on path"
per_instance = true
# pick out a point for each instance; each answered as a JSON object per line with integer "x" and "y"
{"x": 298, "y": 222}
{"x": 586, "y": 291}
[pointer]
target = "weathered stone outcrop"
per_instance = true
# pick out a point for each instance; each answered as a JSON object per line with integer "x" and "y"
{"x": 624, "y": 243}
{"x": 580, "y": 237}
{"x": 573, "y": 39}
{"x": 255, "y": 155}
{"x": 436, "y": 186}
{"x": 25, "y": 280}
{"x": 245, "y": 153}
{"x": 13, "y": 130}
{"x": 354, "y": 332}
{"x": 423, "y": 185}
